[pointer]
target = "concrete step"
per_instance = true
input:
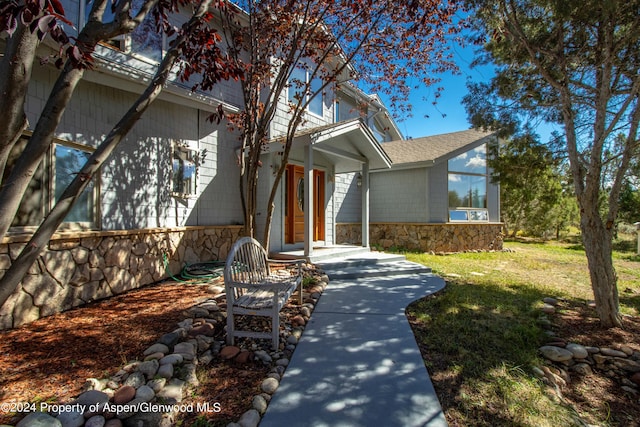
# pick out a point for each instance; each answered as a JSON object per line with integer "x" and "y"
{"x": 338, "y": 253}
{"x": 344, "y": 270}
{"x": 357, "y": 256}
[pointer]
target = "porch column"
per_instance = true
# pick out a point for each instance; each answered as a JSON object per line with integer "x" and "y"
{"x": 308, "y": 200}
{"x": 365, "y": 204}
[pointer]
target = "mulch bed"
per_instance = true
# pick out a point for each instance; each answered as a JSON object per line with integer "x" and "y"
{"x": 579, "y": 323}
{"x": 51, "y": 358}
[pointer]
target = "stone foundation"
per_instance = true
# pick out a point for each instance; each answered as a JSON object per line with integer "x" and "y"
{"x": 425, "y": 237}
{"x": 77, "y": 268}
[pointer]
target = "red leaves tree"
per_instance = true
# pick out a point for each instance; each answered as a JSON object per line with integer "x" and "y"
{"x": 27, "y": 24}
{"x": 391, "y": 46}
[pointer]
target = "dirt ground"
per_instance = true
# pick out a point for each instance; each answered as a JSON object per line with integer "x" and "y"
{"x": 598, "y": 399}
{"x": 50, "y": 359}
{"x": 599, "y": 393}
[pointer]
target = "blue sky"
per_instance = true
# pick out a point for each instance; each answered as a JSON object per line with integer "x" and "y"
{"x": 448, "y": 115}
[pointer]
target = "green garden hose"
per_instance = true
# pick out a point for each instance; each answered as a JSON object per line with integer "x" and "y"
{"x": 202, "y": 271}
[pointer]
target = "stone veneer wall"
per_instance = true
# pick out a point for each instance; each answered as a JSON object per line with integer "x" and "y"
{"x": 80, "y": 267}
{"x": 426, "y": 237}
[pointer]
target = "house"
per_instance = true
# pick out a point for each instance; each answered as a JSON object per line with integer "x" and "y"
{"x": 436, "y": 197}
{"x": 167, "y": 196}
{"x": 345, "y": 138}
{"x": 179, "y": 203}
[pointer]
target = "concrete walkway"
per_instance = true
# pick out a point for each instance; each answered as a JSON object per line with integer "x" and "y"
{"x": 357, "y": 363}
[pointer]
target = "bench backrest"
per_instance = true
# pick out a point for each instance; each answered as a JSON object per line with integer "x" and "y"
{"x": 247, "y": 262}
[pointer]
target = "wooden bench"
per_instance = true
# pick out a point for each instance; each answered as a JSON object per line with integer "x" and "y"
{"x": 253, "y": 289}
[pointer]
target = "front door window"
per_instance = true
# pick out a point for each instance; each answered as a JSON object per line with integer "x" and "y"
{"x": 295, "y": 204}
{"x": 300, "y": 194}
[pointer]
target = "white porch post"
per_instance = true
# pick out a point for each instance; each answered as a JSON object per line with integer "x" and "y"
{"x": 308, "y": 200}
{"x": 365, "y": 204}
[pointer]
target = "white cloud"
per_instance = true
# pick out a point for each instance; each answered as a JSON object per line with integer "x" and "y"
{"x": 476, "y": 162}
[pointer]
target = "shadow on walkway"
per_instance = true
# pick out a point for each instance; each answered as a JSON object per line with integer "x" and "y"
{"x": 357, "y": 363}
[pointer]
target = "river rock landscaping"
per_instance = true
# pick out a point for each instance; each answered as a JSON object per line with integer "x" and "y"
{"x": 170, "y": 382}
{"x": 569, "y": 361}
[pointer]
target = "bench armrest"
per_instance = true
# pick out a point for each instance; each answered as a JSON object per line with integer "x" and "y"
{"x": 296, "y": 262}
{"x": 268, "y": 285}
{"x": 286, "y": 261}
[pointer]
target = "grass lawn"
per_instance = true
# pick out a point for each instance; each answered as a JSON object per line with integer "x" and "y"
{"x": 480, "y": 336}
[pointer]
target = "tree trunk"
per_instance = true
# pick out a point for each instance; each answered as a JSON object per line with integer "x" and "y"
{"x": 33, "y": 248}
{"x": 26, "y": 165}
{"x": 293, "y": 125}
{"x": 271, "y": 203}
{"x": 251, "y": 201}
{"x": 597, "y": 240}
{"x": 15, "y": 69}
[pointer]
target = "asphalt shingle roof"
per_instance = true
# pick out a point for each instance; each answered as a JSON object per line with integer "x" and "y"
{"x": 431, "y": 148}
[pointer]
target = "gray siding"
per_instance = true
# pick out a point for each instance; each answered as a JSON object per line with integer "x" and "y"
{"x": 136, "y": 182}
{"x": 219, "y": 201}
{"x": 399, "y": 196}
{"x": 282, "y": 117}
{"x": 227, "y": 91}
{"x": 493, "y": 199}
{"x": 348, "y": 108}
{"x": 330, "y": 223}
{"x": 438, "y": 193}
{"x": 347, "y": 196}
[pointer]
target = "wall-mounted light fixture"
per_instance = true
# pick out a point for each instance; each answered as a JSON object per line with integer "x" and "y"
{"x": 359, "y": 180}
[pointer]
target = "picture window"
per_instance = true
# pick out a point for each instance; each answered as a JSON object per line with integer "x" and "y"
{"x": 184, "y": 171}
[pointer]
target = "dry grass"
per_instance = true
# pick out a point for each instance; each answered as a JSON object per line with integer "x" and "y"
{"x": 479, "y": 338}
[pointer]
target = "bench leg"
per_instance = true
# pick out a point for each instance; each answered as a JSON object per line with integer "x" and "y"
{"x": 275, "y": 332}
{"x": 230, "y": 326}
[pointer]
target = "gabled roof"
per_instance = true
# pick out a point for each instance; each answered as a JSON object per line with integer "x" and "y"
{"x": 373, "y": 100}
{"x": 348, "y": 144}
{"x": 431, "y": 149}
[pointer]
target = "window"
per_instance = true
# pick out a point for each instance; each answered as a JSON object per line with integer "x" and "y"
{"x": 297, "y": 91}
{"x": 468, "y": 186}
{"x": 461, "y": 215}
{"x": 297, "y": 82}
{"x": 468, "y": 191}
{"x": 184, "y": 171}
{"x": 315, "y": 104}
{"x": 52, "y": 177}
{"x": 473, "y": 161}
{"x": 68, "y": 161}
{"x": 379, "y": 132}
{"x": 145, "y": 40}
{"x": 458, "y": 215}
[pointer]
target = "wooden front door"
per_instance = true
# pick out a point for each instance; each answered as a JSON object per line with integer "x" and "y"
{"x": 294, "y": 212}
